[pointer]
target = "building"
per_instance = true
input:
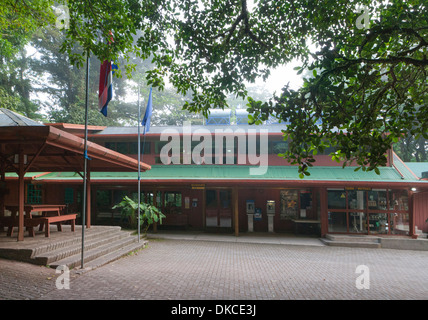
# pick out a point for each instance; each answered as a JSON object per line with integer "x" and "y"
{"x": 229, "y": 178}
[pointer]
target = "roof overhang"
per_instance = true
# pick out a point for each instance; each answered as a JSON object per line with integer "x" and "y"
{"x": 238, "y": 175}
{"x": 50, "y": 149}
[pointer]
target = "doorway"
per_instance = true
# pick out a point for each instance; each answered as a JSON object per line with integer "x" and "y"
{"x": 218, "y": 208}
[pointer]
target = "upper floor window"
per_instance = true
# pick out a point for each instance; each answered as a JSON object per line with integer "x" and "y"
{"x": 129, "y": 147}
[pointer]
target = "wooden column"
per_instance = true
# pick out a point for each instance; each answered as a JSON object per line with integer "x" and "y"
{"x": 204, "y": 208}
{"x": 235, "y": 210}
{"x": 21, "y": 196}
{"x": 324, "y": 211}
{"x": 155, "y": 203}
{"x": 411, "y": 214}
{"x": 88, "y": 197}
{"x": 2, "y": 187}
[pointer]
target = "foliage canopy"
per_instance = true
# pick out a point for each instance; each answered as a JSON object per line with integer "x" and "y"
{"x": 368, "y": 63}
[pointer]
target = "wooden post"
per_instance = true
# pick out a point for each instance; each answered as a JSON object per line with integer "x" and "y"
{"x": 88, "y": 198}
{"x": 203, "y": 206}
{"x": 324, "y": 211}
{"x": 21, "y": 196}
{"x": 235, "y": 210}
{"x": 155, "y": 203}
{"x": 2, "y": 187}
{"x": 411, "y": 214}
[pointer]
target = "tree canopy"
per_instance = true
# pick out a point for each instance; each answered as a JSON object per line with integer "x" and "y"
{"x": 367, "y": 59}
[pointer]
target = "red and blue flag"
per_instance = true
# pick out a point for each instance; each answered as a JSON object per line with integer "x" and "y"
{"x": 105, "y": 93}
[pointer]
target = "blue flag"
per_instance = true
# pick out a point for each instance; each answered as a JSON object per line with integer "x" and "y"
{"x": 148, "y": 114}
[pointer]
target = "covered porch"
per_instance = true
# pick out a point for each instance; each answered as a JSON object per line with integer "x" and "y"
{"x": 29, "y": 149}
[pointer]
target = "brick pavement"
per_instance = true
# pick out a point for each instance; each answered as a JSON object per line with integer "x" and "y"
{"x": 192, "y": 270}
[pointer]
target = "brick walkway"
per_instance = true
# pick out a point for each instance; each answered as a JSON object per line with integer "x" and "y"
{"x": 204, "y": 270}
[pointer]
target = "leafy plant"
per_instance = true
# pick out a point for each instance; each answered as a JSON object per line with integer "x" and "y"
{"x": 148, "y": 213}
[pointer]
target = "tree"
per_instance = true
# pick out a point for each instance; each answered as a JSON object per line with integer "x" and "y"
{"x": 410, "y": 149}
{"x": 18, "y": 21}
{"x": 62, "y": 86}
{"x": 369, "y": 67}
{"x": 16, "y": 86}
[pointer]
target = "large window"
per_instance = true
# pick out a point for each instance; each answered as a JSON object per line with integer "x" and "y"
{"x": 172, "y": 201}
{"x": 372, "y": 211}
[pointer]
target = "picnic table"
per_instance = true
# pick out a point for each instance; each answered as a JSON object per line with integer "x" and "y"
{"x": 47, "y": 214}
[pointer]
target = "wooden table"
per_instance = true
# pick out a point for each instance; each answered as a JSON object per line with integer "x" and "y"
{"x": 44, "y": 209}
{"x": 49, "y": 213}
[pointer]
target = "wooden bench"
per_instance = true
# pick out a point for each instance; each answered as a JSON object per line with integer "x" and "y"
{"x": 11, "y": 222}
{"x": 45, "y": 221}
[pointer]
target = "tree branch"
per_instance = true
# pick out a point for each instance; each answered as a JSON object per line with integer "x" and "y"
{"x": 243, "y": 16}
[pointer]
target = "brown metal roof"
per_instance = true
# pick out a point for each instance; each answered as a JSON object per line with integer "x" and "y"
{"x": 50, "y": 149}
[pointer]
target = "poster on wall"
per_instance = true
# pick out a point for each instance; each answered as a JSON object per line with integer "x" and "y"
{"x": 289, "y": 204}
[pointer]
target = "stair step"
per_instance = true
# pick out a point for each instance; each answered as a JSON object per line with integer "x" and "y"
{"x": 62, "y": 252}
{"x": 94, "y": 253}
{"x": 114, "y": 255}
{"x": 352, "y": 238}
{"x": 94, "y": 233}
{"x": 354, "y": 244}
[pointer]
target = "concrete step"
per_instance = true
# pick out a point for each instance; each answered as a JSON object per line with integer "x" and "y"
{"x": 75, "y": 247}
{"x": 356, "y": 241}
{"x": 74, "y": 260}
{"x": 114, "y": 255}
{"x": 352, "y": 244}
{"x": 352, "y": 238}
{"x": 90, "y": 234}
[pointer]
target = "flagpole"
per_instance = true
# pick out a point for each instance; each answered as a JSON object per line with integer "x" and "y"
{"x": 145, "y": 122}
{"x": 85, "y": 157}
{"x": 139, "y": 170}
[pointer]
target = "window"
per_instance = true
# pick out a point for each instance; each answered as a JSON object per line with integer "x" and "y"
{"x": 69, "y": 196}
{"x": 144, "y": 147}
{"x": 129, "y": 147}
{"x": 377, "y": 200}
{"x": 103, "y": 199}
{"x": 398, "y": 200}
{"x": 337, "y": 222}
{"x": 277, "y": 147}
{"x": 337, "y": 199}
{"x": 110, "y": 145}
{"x": 399, "y": 223}
{"x": 159, "y": 145}
{"x": 211, "y": 199}
{"x": 122, "y": 147}
{"x": 370, "y": 211}
{"x": 34, "y": 194}
{"x": 356, "y": 200}
{"x": 172, "y": 202}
